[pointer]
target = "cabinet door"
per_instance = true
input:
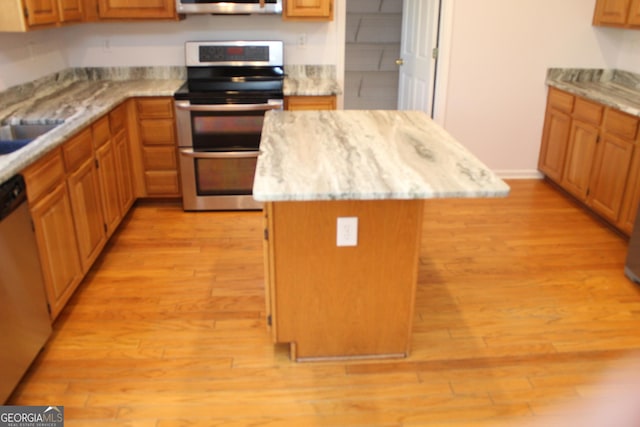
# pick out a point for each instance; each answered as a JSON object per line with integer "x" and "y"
{"x": 631, "y": 199}
{"x": 309, "y": 9}
{"x": 580, "y": 156}
{"x": 71, "y": 10}
{"x": 555, "y": 139}
{"x": 84, "y": 191}
{"x": 634, "y": 13}
{"x": 55, "y": 233}
{"x": 107, "y": 173}
{"x": 609, "y": 176}
{"x": 136, "y": 9}
{"x": 611, "y": 12}
{"x": 41, "y": 12}
{"x": 125, "y": 183}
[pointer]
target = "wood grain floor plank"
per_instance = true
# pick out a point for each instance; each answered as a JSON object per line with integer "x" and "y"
{"x": 521, "y": 305}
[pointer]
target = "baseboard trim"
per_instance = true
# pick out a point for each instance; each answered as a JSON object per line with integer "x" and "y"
{"x": 519, "y": 174}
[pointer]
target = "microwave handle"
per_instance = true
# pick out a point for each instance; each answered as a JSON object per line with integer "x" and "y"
{"x": 188, "y": 152}
{"x": 271, "y": 105}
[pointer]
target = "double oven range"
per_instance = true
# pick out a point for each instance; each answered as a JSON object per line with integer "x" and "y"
{"x": 219, "y": 115}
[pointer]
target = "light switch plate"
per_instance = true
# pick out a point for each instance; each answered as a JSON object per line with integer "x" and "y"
{"x": 347, "y": 231}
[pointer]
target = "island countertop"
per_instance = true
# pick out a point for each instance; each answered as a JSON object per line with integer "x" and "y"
{"x": 365, "y": 155}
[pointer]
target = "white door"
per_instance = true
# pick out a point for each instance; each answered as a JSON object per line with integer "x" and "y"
{"x": 417, "y": 62}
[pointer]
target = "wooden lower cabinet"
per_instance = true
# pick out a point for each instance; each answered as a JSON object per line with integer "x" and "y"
{"x": 86, "y": 203}
{"x": 580, "y": 156}
{"x": 107, "y": 173}
{"x": 78, "y": 195}
{"x": 52, "y": 218}
{"x": 601, "y": 166}
{"x": 555, "y": 135}
{"x": 295, "y": 103}
{"x": 342, "y": 302}
{"x": 157, "y": 147}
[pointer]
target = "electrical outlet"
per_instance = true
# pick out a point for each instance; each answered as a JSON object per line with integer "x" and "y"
{"x": 347, "y": 231}
{"x": 106, "y": 46}
{"x": 302, "y": 39}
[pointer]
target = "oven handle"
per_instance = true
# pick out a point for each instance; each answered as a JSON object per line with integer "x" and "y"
{"x": 188, "y": 152}
{"x": 271, "y": 105}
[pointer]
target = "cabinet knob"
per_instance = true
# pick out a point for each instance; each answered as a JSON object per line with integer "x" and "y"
{"x": 399, "y": 61}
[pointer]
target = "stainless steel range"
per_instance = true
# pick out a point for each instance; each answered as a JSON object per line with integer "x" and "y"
{"x": 219, "y": 115}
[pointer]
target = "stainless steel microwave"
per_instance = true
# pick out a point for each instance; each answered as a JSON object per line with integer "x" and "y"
{"x": 230, "y": 7}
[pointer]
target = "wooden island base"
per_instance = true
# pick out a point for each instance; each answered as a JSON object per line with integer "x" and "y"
{"x": 342, "y": 302}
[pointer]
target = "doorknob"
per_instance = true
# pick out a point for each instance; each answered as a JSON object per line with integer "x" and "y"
{"x": 399, "y": 61}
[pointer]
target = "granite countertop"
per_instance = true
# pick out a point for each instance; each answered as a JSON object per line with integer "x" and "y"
{"x": 365, "y": 155}
{"x": 614, "y": 88}
{"x": 310, "y": 80}
{"x": 73, "y": 99}
{"x": 76, "y": 97}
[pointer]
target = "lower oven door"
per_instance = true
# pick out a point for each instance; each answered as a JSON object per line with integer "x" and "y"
{"x": 218, "y": 150}
{"x": 218, "y": 180}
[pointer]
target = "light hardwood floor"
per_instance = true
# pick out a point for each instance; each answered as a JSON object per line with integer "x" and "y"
{"x": 521, "y": 305}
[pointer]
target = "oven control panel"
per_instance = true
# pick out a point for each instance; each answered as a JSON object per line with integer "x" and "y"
{"x": 234, "y": 53}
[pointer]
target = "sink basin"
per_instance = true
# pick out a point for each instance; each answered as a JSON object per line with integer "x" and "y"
{"x": 14, "y": 137}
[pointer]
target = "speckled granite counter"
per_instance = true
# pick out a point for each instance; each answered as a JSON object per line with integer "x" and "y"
{"x": 614, "y": 88}
{"x": 74, "y": 98}
{"x": 310, "y": 80}
{"x": 365, "y": 155}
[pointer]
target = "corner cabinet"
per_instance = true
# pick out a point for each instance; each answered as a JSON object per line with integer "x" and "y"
{"x": 308, "y": 10}
{"x": 17, "y": 15}
{"x": 617, "y": 13}
{"x": 591, "y": 151}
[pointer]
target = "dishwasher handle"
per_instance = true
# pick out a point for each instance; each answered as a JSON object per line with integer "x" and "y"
{"x": 12, "y": 194}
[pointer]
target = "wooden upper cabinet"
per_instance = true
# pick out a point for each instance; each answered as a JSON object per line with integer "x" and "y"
{"x": 137, "y": 9}
{"x": 617, "y": 13}
{"x": 309, "y": 10}
{"x": 71, "y": 10}
{"x": 41, "y": 12}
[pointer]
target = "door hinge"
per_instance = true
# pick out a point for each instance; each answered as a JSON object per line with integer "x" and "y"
{"x": 49, "y": 308}
{"x": 266, "y": 234}
{"x": 97, "y": 164}
{"x": 269, "y": 320}
{"x": 435, "y": 52}
{"x": 105, "y": 227}
{"x": 26, "y": 13}
{"x": 588, "y": 192}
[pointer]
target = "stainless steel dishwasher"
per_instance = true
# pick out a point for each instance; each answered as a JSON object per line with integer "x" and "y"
{"x": 24, "y": 319}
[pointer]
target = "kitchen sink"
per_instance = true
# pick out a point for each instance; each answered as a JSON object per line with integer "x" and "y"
{"x": 14, "y": 137}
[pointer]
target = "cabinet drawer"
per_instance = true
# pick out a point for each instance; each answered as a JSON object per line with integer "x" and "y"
{"x": 101, "y": 132}
{"x": 118, "y": 119}
{"x": 160, "y": 158}
{"x": 157, "y": 132}
{"x": 621, "y": 124}
{"x": 44, "y": 175}
{"x": 77, "y": 150}
{"x": 587, "y": 111}
{"x": 162, "y": 183}
{"x": 560, "y": 100}
{"x": 155, "y": 108}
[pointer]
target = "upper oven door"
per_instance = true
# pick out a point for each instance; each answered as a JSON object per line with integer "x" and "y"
{"x": 230, "y": 7}
{"x": 222, "y": 127}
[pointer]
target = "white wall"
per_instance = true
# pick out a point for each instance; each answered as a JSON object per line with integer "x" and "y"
{"x": 26, "y": 57}
{"x": 500, "y": 51}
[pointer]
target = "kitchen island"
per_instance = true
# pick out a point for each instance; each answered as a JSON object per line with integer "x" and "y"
{"x": 344, "y": 193}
